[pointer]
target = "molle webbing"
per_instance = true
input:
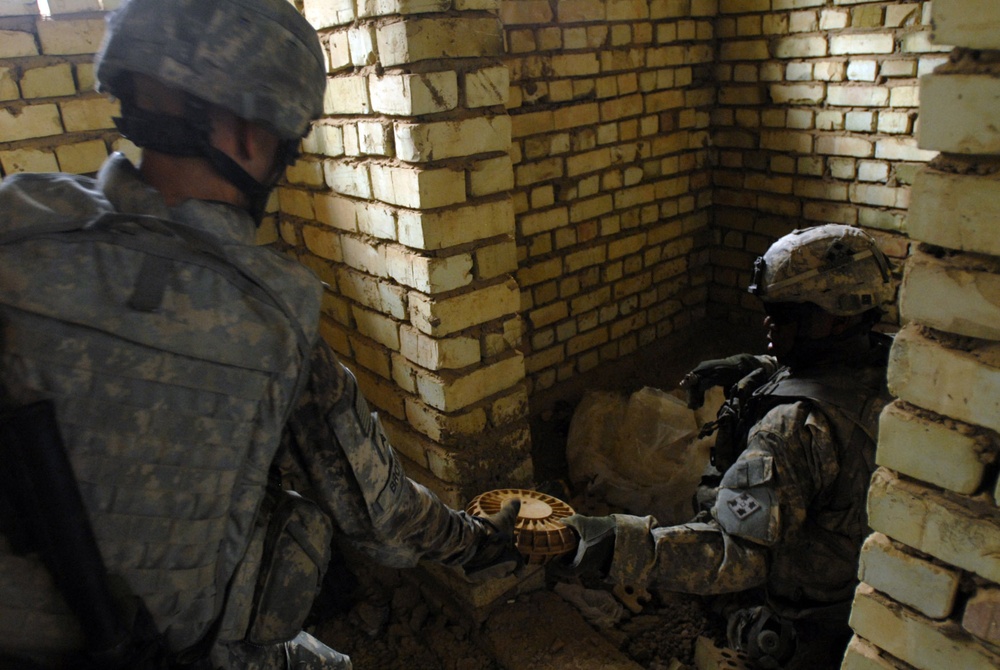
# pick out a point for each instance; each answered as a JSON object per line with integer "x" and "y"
{"x": 173, "y": 360}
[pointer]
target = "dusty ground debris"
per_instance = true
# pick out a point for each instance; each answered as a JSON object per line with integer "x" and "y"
{"x": 391, "y": 622}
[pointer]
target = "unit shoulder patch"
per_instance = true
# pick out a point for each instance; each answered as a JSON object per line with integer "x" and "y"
{"x": 743, "y": 505}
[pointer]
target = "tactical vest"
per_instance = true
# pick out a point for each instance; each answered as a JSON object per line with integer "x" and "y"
{"x": 821, "y": 566}
{"x": 852, "y": 401}
{"x": 173, "y": 359}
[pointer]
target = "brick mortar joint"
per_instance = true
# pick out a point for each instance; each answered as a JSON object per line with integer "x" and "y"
{"x": 960, "y": 164}
{"x": 962, "y": 60}
{"x": 25, "y": 63}
{"x": 25, "y": 23}
{"x": 987, "y": 441}
{"x": 980, "y": 506}
{"x": 54, "y": 142}
{"x": 967, "y": 261}
{"x": 451, "y": 116}
{"x": 961, "y": 343}
{"x": 913, "y": 552}
{"x": 76, "y": 16}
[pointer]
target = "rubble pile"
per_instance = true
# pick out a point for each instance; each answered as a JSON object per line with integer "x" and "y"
{"x": 667, "y": 633}
{"x": 392, "y": 625}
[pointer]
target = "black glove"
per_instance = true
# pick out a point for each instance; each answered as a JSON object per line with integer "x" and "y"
{"x": 596, "y": 544}
{"x": 497, "y": 555}
{"x": 717, "y": 372}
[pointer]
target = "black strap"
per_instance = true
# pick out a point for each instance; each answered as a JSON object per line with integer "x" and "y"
{"x": 151, "y": 283}
{"x": 850, "y": 403}
{"x": 39, "y": 487}
{"x": 189, "y": 135}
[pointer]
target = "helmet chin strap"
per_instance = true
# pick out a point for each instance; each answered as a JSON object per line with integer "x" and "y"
{"x": 255, "y": 192}
{"x": 189, "y": 136}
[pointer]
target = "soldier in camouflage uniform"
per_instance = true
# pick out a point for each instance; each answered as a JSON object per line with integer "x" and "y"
{"x": 796, "y": 447}
{"x": 175, "y": 428}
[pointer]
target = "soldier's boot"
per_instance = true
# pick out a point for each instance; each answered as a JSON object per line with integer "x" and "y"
{"x": 303, "y": 652}
{"x": 768, "y": 639}
{"x": 307, "y": 653}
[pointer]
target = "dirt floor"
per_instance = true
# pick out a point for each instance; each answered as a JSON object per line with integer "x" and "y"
{"x": 397, "y": 623}
{"x": 400, "y": 620}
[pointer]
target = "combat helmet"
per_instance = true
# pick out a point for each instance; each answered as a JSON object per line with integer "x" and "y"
{"x": 260, "y": 59}
{"x": 837, "y": 267}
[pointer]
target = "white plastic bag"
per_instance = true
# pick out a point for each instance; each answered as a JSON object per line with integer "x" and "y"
{"x": 641, "y": 453}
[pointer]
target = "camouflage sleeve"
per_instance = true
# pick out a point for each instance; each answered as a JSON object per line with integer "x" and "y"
{"x": 762, "y": 501}
{"x": 334, "y": 450}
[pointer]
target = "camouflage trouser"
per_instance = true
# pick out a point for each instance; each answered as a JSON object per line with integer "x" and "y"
{"x": 303, "y": 653}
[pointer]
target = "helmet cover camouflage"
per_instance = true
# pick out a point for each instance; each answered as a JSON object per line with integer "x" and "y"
{"x": 837, "y": 267}
{"x": 260, "y": 59}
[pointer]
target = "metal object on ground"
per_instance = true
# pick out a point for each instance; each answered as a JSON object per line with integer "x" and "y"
{"x": 539, "y": 533}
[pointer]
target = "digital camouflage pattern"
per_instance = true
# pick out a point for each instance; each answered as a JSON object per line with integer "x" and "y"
{"x": 174, "y": 477}
{"x": 334, "y": 451}
{"x": 170, "y": 417}
{"x": 790, "y": 513}
{"x": 260, "y": 59}
{"x": 838, "y": 267}
{"x": 296, "y": 553}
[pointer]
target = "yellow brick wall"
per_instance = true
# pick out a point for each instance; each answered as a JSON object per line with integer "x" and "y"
{"x": 401, "y": 203}
{"x": 610, "y": 106}
{"x": 930, "y": 592}
{"x": 51, "y": 119}
{"x": 497, "y": 214}
{"x": 818, "y": 103}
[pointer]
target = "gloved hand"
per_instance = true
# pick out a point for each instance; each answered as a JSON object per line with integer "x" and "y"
{"x": 497, "y": 555}
{"x": 596, "y": 544}
{"x": 717, "y": 372}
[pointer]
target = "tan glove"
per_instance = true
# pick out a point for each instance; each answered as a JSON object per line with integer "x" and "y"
{"x": 595, "y": 544}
